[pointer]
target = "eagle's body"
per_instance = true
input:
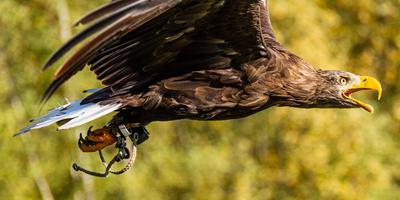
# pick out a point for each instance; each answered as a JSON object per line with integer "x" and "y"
{"x": 192, "y": 66}
{"x": 197, "y": 59}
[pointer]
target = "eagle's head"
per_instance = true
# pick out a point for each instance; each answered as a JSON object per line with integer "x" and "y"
{"x": 336, "y": 89}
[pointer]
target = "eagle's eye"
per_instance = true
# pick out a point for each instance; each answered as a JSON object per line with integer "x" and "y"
{"x": 343, "y": 81}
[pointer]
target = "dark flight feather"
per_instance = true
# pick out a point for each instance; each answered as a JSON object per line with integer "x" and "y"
{"x": 110, "y": 27}
{"x": 87, "y": 33}
{"x": 105, "y": 10}
{"x": 151, "y": 32}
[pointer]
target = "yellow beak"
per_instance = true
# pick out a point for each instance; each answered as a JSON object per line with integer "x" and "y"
{"x": 366, "y": 83}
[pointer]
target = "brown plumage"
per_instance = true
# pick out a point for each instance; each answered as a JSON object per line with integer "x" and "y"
{"x": 202, "y": 60}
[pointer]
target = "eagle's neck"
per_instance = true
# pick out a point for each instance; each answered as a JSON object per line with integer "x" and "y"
{"x": 291, "y": 81}
{"x": 297, "y": 92}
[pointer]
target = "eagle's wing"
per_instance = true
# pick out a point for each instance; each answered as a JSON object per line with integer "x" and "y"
{"x": 137, "y": 42}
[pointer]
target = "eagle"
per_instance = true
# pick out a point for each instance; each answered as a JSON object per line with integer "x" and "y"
{"x": 162, "y": 60}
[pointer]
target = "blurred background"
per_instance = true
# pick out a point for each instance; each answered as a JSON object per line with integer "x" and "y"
{"x": 280, "y": 153}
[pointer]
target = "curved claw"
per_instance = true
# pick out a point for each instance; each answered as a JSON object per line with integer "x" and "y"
{"x": 89, "y": 131}
{"x": 81, "y": 140}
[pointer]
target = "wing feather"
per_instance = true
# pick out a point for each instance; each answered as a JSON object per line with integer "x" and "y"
{"x": 117, "y": 24}
{"x": 139, "y": 42}
{"x": 104, "y": 10}
{"x": 98, "y": 26}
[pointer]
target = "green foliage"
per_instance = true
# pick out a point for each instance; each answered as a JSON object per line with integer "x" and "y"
{"x": 280, "y": 153}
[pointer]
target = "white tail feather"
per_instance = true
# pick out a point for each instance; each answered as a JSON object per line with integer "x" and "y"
{"x": 76, "y": 112}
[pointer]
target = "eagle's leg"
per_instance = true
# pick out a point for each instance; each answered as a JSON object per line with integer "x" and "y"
{"x": 137, "y": 136}
{"x": 96, "y": 140}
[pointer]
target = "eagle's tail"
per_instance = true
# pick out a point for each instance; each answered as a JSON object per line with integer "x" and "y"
{"x": 71, "y": 115}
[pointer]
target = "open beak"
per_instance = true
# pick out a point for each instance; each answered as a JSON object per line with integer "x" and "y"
{"x": 366, "y": 83}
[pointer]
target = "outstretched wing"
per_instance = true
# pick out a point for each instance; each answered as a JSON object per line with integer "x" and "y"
{"x": 138, "y": 42}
